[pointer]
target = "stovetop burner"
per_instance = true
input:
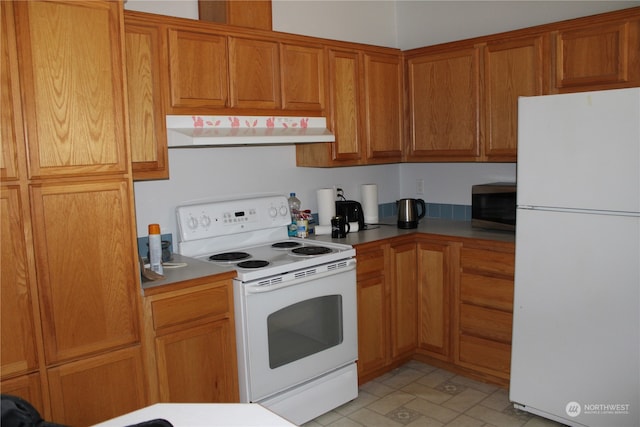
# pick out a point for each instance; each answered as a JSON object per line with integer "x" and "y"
{"x": 285, "y": 245}
{"x": 311, "y": 250}
{"x": 230, "y": 256}
{"x": 254, "y": 263}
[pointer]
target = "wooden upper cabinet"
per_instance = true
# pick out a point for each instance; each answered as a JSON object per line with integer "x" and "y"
{"x": 346, "y": 109}
{"x": 18, "y": 353}
{"x": 245, "y": 13}
{"x": 144, "y": 48}
{"x": 512, "y": 68}
{"x": 598, "y": 56}
{"x": 70, "y": 65}
{"x": 302, "y": 69}
{"x": 87, "y": 294}
{"x": 444, "y": 105}
{"x": 383, "y": 92}
{"x": 198, "y": 71}
{"x": 254, "y": 73}
{"x": 10, "y": 114}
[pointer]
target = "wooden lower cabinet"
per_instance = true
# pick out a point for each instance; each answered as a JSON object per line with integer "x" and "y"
{"x": 79, "y": 395}
{"x": 440, "y": 299}
{"x": 191, "y": 336}
{"x": 404, "y": 298}
{"x": 484, "y": 309}
{"x": 437, "y": 262}
{"x": 374, "y": 353}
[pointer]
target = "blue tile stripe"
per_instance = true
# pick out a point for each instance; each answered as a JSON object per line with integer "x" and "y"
{"x": 434, "y": 210}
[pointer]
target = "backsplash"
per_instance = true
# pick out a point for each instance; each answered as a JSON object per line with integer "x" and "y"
{"x": 434, "y": 210}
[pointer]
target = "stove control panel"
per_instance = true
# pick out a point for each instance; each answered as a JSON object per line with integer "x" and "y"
{"x": 214, "y": 219}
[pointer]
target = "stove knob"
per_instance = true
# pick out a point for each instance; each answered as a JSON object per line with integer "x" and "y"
{"x": 273, "y": 212}
{"x": 283, "y": 210}
{"x": 192, "y": 223}
{"x": 205, "y": 221}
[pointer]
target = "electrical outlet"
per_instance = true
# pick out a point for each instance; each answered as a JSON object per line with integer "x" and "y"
{"x": 420, "y": 186}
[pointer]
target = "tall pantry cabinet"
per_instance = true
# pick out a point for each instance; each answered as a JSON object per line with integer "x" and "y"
{"x": 70, "y": 297}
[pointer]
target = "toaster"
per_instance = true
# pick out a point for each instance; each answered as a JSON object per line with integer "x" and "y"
{"x": 352, "y": 211}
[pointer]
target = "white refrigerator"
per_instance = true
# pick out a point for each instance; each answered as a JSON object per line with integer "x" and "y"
{"x": 576, "y": 323}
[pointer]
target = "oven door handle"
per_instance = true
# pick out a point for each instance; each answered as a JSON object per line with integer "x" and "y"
{"x": 269, "y": 285}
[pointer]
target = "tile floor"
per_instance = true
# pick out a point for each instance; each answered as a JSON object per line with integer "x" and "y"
{"x": 417, "y": 394}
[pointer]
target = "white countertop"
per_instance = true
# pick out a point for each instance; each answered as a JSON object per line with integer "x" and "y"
{"x": 202, "y": 415}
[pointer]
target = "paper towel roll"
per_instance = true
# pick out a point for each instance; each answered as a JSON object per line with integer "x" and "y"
{"x": 370, "y": 203}
{"x": 321, "y": 230}
{"x": 326, "y": 205}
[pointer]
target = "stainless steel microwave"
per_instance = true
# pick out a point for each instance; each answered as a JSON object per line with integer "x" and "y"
{"x": 493, "y": 206}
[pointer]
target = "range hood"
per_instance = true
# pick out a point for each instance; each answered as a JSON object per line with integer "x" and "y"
{"x": 212, "y": 131}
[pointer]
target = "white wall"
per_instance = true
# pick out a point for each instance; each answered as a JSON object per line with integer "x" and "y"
{"x": 425, "y": 23}
{"x": 198, "y": 174}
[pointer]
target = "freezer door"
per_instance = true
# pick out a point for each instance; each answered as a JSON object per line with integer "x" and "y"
{"x": 580, "y": 150}
{"x": 576, "y": 326}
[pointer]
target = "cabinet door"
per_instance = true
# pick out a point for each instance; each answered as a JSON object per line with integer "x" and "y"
{"x": 145, "y": 86}
{"x": 436, "y": 271}
{"x": 86, "y": 274}
{"x": 596, "y": 57}
{"x": 27, "y": 387}
{"x": 10, "y": 113}
{"x": 72, "y": 79}
{"x": 191, "y": 364}
{"x": 346, "y": 110}
{"x": 511, "y": 69}
{"x": 404, "y": 299}
{"x": 18, "y": 353}
{"x": 373, "y": 312}
{"x": 444, "y": 105}
{"x": 254, "y": 70}
{"x": 198, "y": 70}
{"x": 383, "y": 107}
{"x": 92, "y": 390}
{"x": 303, "y": 77}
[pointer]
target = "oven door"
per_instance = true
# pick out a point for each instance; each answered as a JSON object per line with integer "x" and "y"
{"x": 293, "y": 332}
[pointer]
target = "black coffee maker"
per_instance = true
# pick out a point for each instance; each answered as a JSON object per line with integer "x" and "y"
{"x": 352, "y": 211}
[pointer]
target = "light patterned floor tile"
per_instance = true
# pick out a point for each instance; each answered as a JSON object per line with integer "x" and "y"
{"x": 465, "y": 400}
{"x": 432, "y": 410}
{"x": 468, "y": 382}
{"x": 402, "y": 377}
{"x": 390, "y": 402}
{"x": 426, "y": 393}
{"x": 377, "y": 388}
{"x": 498, "y": 400}
{"x": 435, "y": 378}
{"x": 494, "y": 417}
{"x": 371, "y": 418}
{"x": 465, "y": 421}
{"x": 420, "y": 395}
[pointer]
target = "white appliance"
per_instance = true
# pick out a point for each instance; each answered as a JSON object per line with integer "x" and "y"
{"x": 295, "y": 304}
{"x": 576, "y": 326}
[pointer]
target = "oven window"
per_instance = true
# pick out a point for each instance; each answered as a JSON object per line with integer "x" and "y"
{"x": 304, "y": 328}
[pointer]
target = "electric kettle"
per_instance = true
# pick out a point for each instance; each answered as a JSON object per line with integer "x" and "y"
{"x": 410, "y": 211}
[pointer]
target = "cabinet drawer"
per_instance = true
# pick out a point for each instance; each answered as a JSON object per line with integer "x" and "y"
{"x": 370, "y": 261}
{"x": 485, "y": 322}
{"x": 192, "y": 306}
{"x": 489, "y": 262}
{"x": 487, "y": 291}
{"x": 481, "y": 353}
